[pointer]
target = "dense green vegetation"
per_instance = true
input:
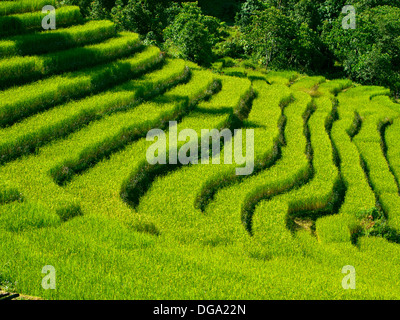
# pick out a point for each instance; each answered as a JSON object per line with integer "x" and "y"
{"x": 304, "y": 35}
{"x": 77, "y": 191}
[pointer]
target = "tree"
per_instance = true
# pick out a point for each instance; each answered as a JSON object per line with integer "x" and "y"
{"x": 276, "y": 40}
{"x": 370, "y": 54}
{"x": 103, "y": 6}
{"x": 305, "y": 11}
{"x": 97, "y": 11}
{"x": 193, "y": 34}
{"x": 369, "y": 4}
{"x": 143, "y": 16}
{"x": 247, "y": 10}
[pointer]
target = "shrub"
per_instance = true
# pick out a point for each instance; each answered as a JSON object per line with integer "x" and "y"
{"x": 370, "y": 54}
{"x": 193, "y": 34}
{"x": 276, "y": 40}
{"x": 143, "y": 16}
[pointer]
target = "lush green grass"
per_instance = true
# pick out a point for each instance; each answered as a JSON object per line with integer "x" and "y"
{"x": 32, "y": 21}
{"x": 59, "y": 39}
{"x": 391, "y": 201}
{"x": 19, "y": 102}
{"x": 19, "y": 70}
{"x": 268, "y": 124}
{"x": 221, "y": 113}
{"x": 21, "y": 6}
{"x": 29, "y": 135}
{"x": 195, "y": 250}
{"x": 306, "y": 204}
{"x": 77, "y": 192}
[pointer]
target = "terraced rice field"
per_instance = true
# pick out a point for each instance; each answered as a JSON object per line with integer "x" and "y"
{"x": 77, "y": 193}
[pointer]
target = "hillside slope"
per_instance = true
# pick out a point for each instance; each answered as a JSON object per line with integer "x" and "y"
{"x": 77, "y": 193}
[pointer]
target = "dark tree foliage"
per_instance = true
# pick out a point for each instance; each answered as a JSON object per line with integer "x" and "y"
{"x": 147, "y": 17}
{"x": 224, "y": 10}
{"x": 370, "y": 53}
{"x": 248, "y": 9}
{"x": 86, "y": 5}
{"x": 193, "y": 34}
{"x": 277, "y": 41}
{"x": 306, "y": 35}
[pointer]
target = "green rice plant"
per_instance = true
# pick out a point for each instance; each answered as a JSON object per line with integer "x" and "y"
{"x": 319, "y": 197}
{"x": 217, "y": 236}
{"x": 362, "y": 163}
{"x": 308, "y": 84}
{"x": 380, "y": 248}
{"x": 27, "y": 136}
{"x": 89, "y": 141}
{"x": 219, "y": 222}
{"x": 209, "y": 232}
{"x": 268, "y": 124}
{"x": 235, "y": 72}
{"x": 362, "y": 95}
{"x": 385, "y": 92}
{"x": 21, "y": 217}
{"x": 282, "y": 77}
{"x": 224, "y": 111}
{"x": 392, "y": 140}
{"x": 257, "y": 75}
{"x": 382, "y": 180}
{"x": 390, "y": 203}
{"x": 83, "y": 139}
{"x": 128, "y": 127}
{"x": 377, "y": 114}
{"x": 387, "y": 102}
{"x": 9, "y": 195}
{"x": 29, "y": 22}
{"x": 334, "y": 87}
{"x": 359, "y": 195}
{"x": 19, "y": 70}
{"x": 213, "y": 113}
{"x": 59, "y": 39}
{"x": 300, "y": 208}
{"x": 22, "y": 6}
{"x": 291, "y": 169}
{"x": 64, "y": 203}
{"x": 179, "y": 252}
{"x": 265, "y": 184}
{"x": 19, "y": 103}
{"x": 218, "y": 65}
